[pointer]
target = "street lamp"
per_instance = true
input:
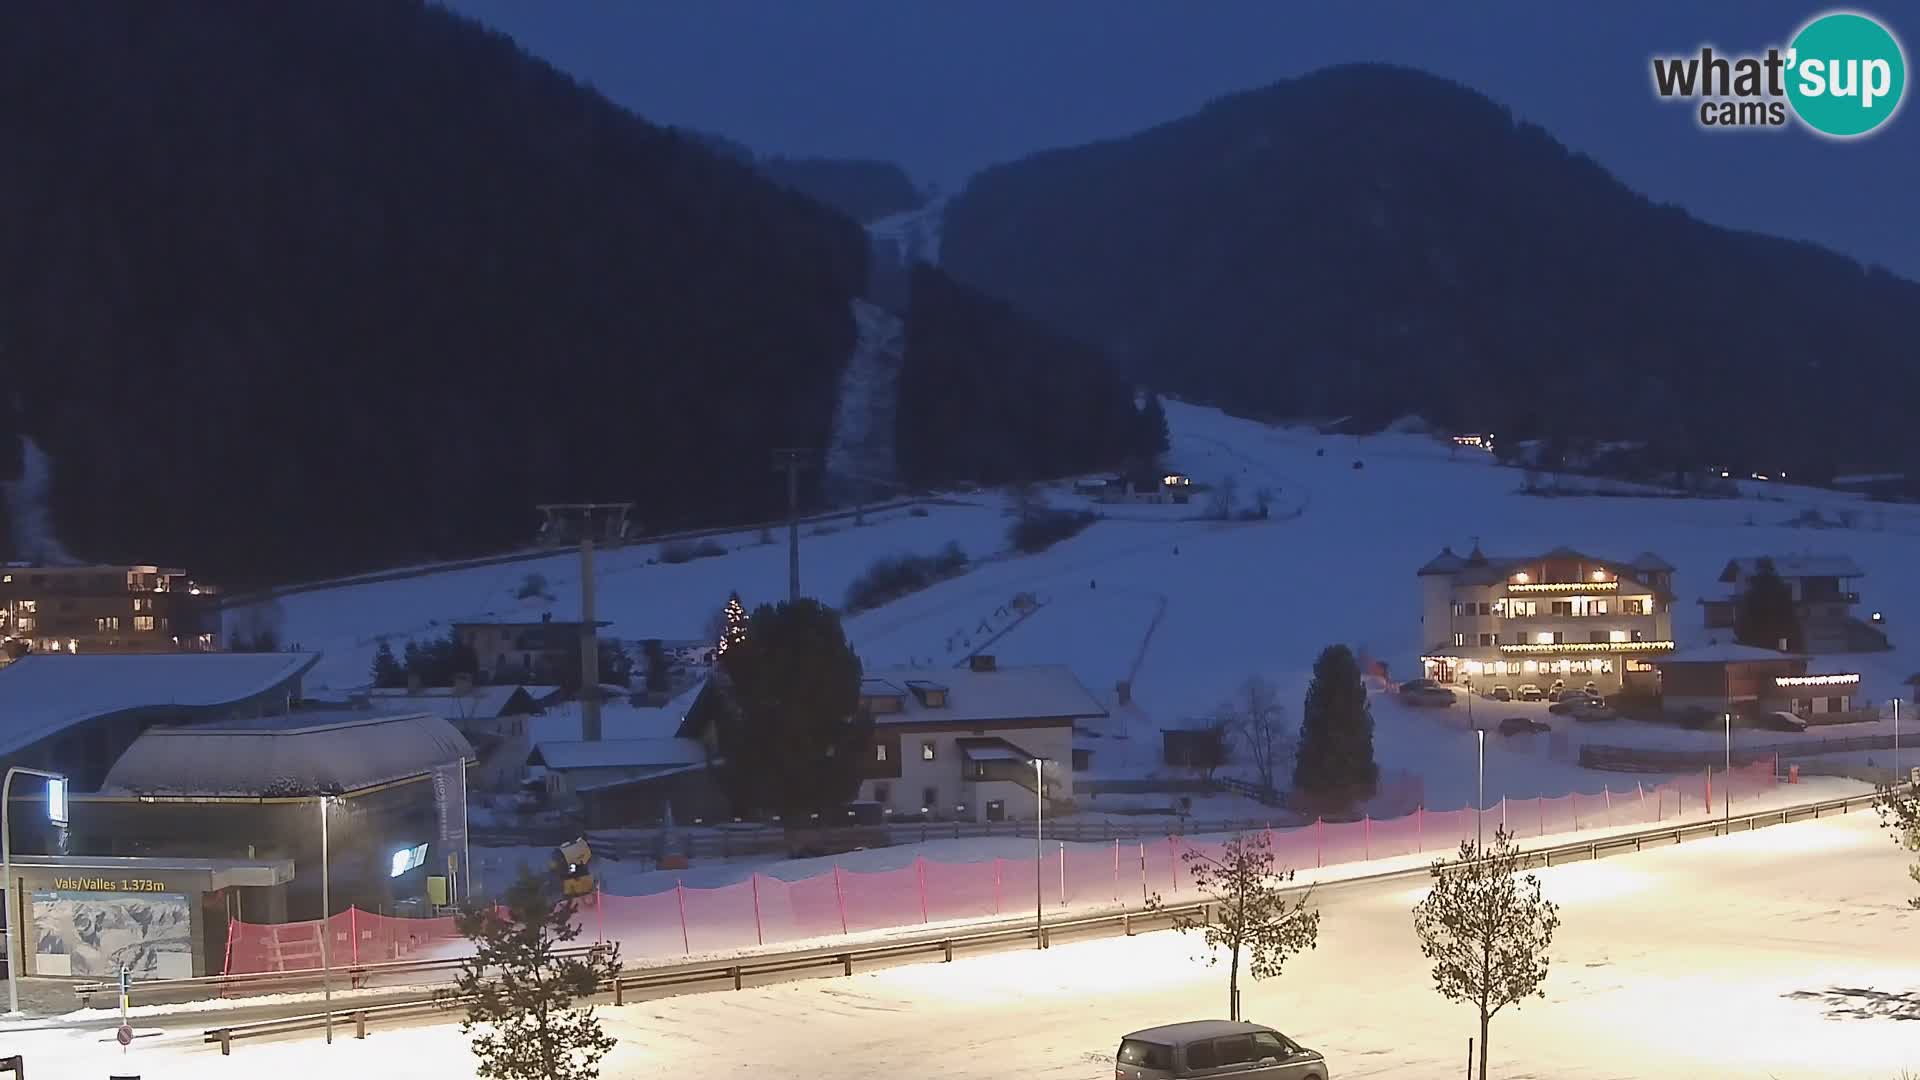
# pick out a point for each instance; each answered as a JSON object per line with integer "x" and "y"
{"x": 326, "y": 922}
{"x": 1896, "y": 740}
{"x": 56, "y": 813}
{"x": 1480, "y": 796}
{"x": 1039, "y": 853}
{"x": 1726, "y": 784}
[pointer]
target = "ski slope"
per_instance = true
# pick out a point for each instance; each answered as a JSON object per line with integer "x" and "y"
{"x": 1767, "y": 954}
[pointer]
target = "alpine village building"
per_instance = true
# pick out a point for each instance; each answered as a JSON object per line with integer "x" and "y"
{"x": 1509, "y": 620}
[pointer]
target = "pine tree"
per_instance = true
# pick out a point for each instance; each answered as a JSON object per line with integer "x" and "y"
{"x": 520, "y": 991}
{"x": 1764, "y": 616}
{"x": 1487, "y": 930}
{"x": 733, "y": 625}
{"x": 795, "y": 739}
{"x": 387, "y": 672}
{"x": 1154, "y": 439}
{"x": 1336, "y": 728}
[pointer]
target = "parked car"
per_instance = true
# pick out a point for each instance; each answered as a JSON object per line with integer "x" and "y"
{"x": 1592, "y": 710}
{"x": 1781, "y": 721}
{"x": 1593, "y": 688}
{"x": 1418, "y": 684}
{"x": 1558, "y": 689}
{"x": 1530, "y": 692}
{"x": 1522, "y": 725}
{"x": 1212, "y": 1048}
{"x": 1427, "y": 695}
{"x": 1501, "y": 693}
{"x": 1569, "y": 699}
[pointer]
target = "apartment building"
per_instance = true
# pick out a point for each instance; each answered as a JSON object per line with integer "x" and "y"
{"x": 69, "y": 609}
{"x": 1563, "y": 615}
{"x": 962, "y": 744}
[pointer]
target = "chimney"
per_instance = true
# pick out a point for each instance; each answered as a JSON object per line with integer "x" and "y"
{"x": 1123, "y": 692}
{"x": 981, "y": 662}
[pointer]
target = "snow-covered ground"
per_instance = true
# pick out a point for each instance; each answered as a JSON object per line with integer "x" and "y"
{"x": 1767, "y": 954}
{"x": 1186, "y": 609}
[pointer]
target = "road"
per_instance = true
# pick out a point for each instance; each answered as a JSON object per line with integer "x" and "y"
{"x": 1677, "y": 955}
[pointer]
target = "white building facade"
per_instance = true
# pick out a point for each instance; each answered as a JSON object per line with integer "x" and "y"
{"x": 1562, "y": 616}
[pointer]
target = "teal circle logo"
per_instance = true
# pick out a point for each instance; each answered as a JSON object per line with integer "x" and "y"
{"x": 1846, "y": 74}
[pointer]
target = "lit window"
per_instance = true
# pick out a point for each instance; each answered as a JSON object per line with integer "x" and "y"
{"x": 25, "y": 624}
{"x": 107, "y": 622}
{"x": 143, "y": 603}
{"x": 1599, "y": 575}
{"x": 1459, "y": 639}
{"x": 1617, "y": 636}
{"x": 1520, "y": 578}
{"x": 880, "y": 752}
{"x": 29, "y": 606}
{"x": 1599, "y": 607}
{"x": 143, "y": 622}
{"x": 926, "y": 751}
{"x": 1543, "y": 638}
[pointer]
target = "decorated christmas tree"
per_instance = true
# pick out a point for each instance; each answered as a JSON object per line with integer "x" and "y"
{"x": 733, "y": 628}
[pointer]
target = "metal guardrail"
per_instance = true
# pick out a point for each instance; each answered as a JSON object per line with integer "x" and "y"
{"x": 357, "y": 977}
{"x": 844, "y": 959}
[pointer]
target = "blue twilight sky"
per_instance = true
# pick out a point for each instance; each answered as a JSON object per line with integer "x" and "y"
{"x": 944, "y": 87}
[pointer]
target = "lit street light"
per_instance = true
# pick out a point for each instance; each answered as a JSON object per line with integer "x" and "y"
{"x": 56, "y": 813}
{"x": 326, "y": 925}
{"x": 1480, "y": 797}
{"x": 1726, "y": 785}
{"x": 1039, "y": 853}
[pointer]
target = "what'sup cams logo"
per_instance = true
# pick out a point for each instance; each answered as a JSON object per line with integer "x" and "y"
{"x": 1842, "y": 76}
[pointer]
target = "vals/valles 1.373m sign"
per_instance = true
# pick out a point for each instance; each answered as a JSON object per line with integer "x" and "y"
{"x": 1843, "y": 75}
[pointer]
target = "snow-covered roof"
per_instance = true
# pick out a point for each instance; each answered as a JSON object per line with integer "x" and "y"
{"x": 991, "y": 749}
{"x": 474, "y": 703}
{"x": 1477, "y": 568}
{"x": 1794, "y": 566}
{"x": 561, "y": 755}
{"x": 42, "y": 694}
{"x": 528, "y": 617}
{"x": 301, "y": 754}
{"x": 1038, "y": 692}
{"x": 1728, "y": 653}
{"x": 618, "y": 719}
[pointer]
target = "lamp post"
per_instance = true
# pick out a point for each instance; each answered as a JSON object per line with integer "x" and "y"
{"x": 1896, "y": 740}
{"x": 1726, "y": 784}
{"x": 1480, "y": 788}
{"x": 326, "y": 921}
{"x": 56, "y": 792}
{"x": 1039, "y": 853}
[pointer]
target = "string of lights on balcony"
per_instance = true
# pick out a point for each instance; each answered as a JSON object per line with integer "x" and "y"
{"x": 1564, "y": 587}
{"x": 1589, "y": 647}
{"x": 1816, "y": 680}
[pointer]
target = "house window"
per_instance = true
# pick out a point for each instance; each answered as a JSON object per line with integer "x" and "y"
{"x": 1558, "y": 637}
{"x": 926, "y": 754}
{"x": 107, "y": 622}
{"x": 143, "y": 622}
{"x": 1487, "y": 639}
{"x": 929, "y": 798}
{"x": 27, "y": 606}
{"x": 880, "y": 752}
{"x": 1637, "y": 637}
{"x": 1597, "y": 636}
{"x": 24, "y": 624}
{"x": 1563, "y": 607}
{"x": 1486, "y": 608}
{"x": 1459, "y": 639}
{"x": 996, "y": 810}
{"x": 143, "y": 603}
{"x": 1617, "y": 636}
{"x": 1836, "y": 704}
{"x": 1599, "y": 607}
{"x": 1459, "y": 609}
{"x": 1543, "y": 638}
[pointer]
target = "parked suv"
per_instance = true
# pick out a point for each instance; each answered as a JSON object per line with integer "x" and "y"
{"x": 1501, "y": 693}
{"x": 1214, "y": 1048}
{"x": 1530, "y": 692}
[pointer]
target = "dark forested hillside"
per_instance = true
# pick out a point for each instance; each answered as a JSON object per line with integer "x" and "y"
{"x": 988, "y": 395}
{"x": 862, "y": 190}
{"x": 291, "y": 289}
{"x": 1375, "y": 241}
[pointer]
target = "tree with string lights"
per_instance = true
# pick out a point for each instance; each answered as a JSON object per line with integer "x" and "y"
{"x": 733, "y": 625}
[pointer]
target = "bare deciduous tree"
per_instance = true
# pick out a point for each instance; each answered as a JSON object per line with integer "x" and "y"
{"x": 1486, "y": 930}
{"x": 1220, "y": 503}
{"x": 1899, "y": 808}
{"x": 1253, "y": 914}
{"x": 1258, "y": 723}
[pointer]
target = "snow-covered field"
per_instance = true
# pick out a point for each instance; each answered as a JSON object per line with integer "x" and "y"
{"x": 1187, "y": 609}
{"x": 1770, "y": 954}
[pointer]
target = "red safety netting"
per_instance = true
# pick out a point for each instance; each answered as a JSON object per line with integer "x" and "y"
{"x": 764, "y": 910}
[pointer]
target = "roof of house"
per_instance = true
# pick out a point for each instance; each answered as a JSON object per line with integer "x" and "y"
{"x": 618, "y": 719}
{"x": 1728, "y": 653}
{"x": 301, "y": 754}
{"x": 453, "y": 703}
{"x": 989, "y": 748}
{"x": 42, "y": 694}
{"x": 1650, "y": 562}
{"x": 1478, "y": 568}
{"x": 561, "y": 755}
{"x": 1793, "y": 566}
{"x": 1038, "y": 692}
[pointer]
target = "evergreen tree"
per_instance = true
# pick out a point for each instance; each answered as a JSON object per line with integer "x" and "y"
{"x": 521, "y": 991}
{"x": 733, "y": 625}
{"x": 1336, "y": 727}
{"x": 387, "y": 672}
{"x": 1154, "y": 439}
{"x": 1764, "y": 616}
{"x": 795, "y": 739}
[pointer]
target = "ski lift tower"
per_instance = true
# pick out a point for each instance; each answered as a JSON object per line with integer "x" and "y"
{"x": 586, "y": 521}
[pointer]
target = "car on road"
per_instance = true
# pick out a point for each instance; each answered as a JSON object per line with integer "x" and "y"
{"x": 1500, "y": 693}
{"x": 1215, "y": 1048}
{"x": 1530, "y": 692}
{"x": 1429, "y": 695}
{"x": 1522, "y": 725}
{"x": 1781, "y": 721}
